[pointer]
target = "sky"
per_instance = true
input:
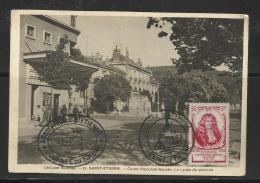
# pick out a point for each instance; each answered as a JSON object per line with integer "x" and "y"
{"x": 101, "y": 34}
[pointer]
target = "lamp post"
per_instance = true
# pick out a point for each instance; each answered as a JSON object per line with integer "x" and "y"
{"x": 158, "y": 97}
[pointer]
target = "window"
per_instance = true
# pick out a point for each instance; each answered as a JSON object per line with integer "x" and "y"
{"x": 47, "y": 37}
{"x": 30, "y": 31}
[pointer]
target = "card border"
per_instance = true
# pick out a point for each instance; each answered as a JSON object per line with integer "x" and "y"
{"x": 14, "y": 89}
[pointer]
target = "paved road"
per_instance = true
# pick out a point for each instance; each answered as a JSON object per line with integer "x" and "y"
{"x": 122, "y": 142}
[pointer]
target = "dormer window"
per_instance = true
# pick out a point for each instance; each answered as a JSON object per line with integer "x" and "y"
{"x": 30, "y": 31}
{"x": 47, "y": 37}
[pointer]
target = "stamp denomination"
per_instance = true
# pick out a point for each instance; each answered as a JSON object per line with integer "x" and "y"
{"x": 165, "y": 141}
{"x": 72, "y": 143}
{"x": 211, "y": 126}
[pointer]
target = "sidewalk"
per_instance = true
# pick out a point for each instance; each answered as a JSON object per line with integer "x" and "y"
{"x": 28, "y": 128}
{"x": 123, "y": 113}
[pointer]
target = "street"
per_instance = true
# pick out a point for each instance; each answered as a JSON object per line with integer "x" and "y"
{"x": 122, "y": 146}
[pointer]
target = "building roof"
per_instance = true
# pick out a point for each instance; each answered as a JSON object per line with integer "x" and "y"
{"x": 94, "y": 64}
{"x": 118, "y": 58}
{"x": 101, "y": 65}
{"x": 59, "y": 23}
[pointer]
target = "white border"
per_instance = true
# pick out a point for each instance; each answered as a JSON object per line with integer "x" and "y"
{"x": 90, "y": 169}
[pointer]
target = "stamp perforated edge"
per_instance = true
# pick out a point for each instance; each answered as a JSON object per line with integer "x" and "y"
{"x": 227, "y": 105}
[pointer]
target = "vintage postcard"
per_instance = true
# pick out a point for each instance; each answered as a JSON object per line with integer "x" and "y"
{"x": 128, "y": 93}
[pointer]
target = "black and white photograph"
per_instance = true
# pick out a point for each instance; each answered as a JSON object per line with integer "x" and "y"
{"x": 128, "y": 93}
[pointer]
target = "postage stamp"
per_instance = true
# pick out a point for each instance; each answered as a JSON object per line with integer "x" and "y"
{"x": 211, "y": 127}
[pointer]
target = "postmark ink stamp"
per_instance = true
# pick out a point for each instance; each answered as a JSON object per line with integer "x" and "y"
{"x": 72, "y": 143}
{"x": 211, "y": 126}
{"x": 165, "y": 140}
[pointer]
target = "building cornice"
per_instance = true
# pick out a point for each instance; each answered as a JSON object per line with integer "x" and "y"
{"x": 140, "y": 68}
{"x": 59, "y": 23}
{"x": 133, "y": 66}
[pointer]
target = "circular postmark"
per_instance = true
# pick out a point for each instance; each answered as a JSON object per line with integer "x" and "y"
{"x": 72, "y": 142}
{"x": 166, "y": 140}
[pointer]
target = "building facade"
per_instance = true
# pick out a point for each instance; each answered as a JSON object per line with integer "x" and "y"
{"x": 102, "y": 69}
{"x": 39, "y": 34}
{"x": 140, "y": 79}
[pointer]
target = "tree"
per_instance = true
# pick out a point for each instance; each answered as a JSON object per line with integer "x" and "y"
{"x": 230, "y": 81}
{"x": 190, "y": 86}
{"x": 205, "y": 87}
{"x": 76, "y": 53}
{"x": 81, "y": 81}
{"x": 204, "y": 43}
{"x": 233, "y": 84}
{"x": 53, "y": 71}
{"x": 110, "y": 88}
{"x": 57, "y": 71}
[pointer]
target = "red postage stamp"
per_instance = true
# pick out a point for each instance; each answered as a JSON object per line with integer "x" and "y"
{"x": 210, "y": 123}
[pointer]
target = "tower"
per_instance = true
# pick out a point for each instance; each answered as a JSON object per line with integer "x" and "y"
{"x": 116, "y": 55}
{"x": 73, "y": 21}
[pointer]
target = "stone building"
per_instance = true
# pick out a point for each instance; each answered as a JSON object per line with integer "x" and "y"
{"x": 102, "y": 69}
{"x": 140, "y": 79}
{"x": 38, "y": 34}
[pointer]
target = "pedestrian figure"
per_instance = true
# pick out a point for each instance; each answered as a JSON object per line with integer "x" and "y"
{"x": 88, "y": 112}
{"x": 167, "y": 115}
{"x": 81, "y": 111}
{"x": 75, "y": 112}
{"x": 64, "y": 112}
{"x": 38, "y": 114}
{"x": 45, "y": 117}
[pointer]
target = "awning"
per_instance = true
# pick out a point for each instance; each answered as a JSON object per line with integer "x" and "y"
{"x": 37, "y": 59}
{"x": 41, "y": 57}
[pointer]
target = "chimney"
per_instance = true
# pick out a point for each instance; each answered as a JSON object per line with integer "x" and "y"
{"x": 127, "y": 53}
{"x": 116, "y": 50}
{"x": 139, "y": 62}
{"x": 73, "y": 21}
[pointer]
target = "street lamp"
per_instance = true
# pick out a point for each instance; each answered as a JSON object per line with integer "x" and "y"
{"x": 158, "y": 97}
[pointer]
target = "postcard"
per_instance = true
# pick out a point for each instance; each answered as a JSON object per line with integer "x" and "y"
{"x": 132, "y": 93}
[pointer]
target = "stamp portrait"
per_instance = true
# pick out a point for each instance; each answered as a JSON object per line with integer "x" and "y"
{"x": 211, "y": 128}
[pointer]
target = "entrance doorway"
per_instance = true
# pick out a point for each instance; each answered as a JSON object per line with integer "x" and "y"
{"x": 34, "y": 87}
{"x": 56, "y": 105}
